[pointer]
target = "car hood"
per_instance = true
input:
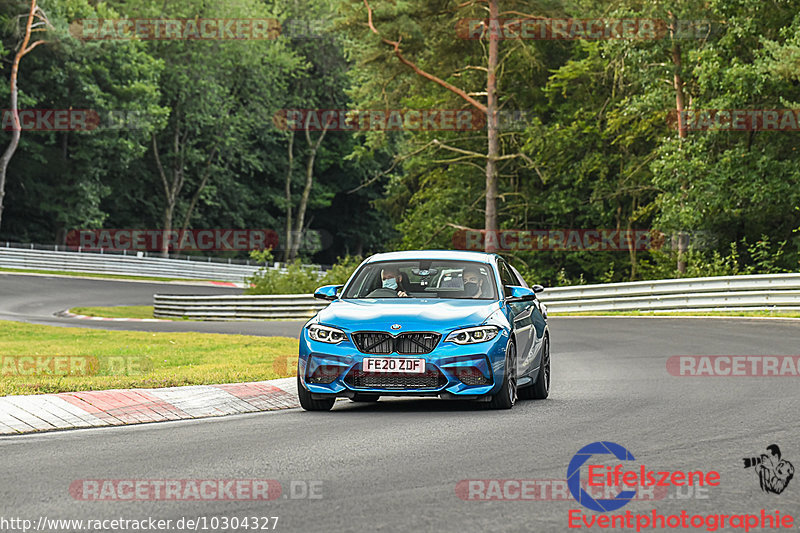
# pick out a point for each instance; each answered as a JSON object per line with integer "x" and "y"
{"x": 415, "y": 314}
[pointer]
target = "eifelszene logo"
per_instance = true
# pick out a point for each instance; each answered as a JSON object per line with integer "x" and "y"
{"x": 774, "y": 473}
{"x": 616, "y": 477}
{"x": 574, "y": 477}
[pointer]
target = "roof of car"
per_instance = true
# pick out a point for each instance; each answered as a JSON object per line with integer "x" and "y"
{"x": 457, "y": 255}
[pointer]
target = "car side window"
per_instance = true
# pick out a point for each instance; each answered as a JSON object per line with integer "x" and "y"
{"x": 505, "y": 276}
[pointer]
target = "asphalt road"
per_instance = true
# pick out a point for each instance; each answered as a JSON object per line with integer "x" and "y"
{"x": 394, "y": 466}
{"x": 36, "y": 299}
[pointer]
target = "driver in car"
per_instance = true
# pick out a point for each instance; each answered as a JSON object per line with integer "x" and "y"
{"x": 390, "y": 279}
{"x": 474, "y": 282}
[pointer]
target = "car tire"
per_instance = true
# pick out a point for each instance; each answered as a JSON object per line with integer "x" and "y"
{"x": 507, "y": 395}
{"x": 541, "y": 388}
{"x": 310, "y": 404}
{"x": 362, "y": 397}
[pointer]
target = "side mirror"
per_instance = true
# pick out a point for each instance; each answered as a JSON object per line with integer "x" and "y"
{"x": 519, "y": 294}
{"x": 537, "y": 289}
{"x": 328, "y": 292}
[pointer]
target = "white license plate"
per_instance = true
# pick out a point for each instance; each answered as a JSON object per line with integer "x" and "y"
{"x": 393, "y": 364}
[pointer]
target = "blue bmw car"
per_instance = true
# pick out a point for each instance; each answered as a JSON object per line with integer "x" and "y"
{"x": 448, "y": 324}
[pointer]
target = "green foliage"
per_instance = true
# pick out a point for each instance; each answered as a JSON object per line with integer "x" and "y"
{"x": 207, "y": 105}
{"x": 563, "y": 281}
{"x": 298, "y": 278}
{"x": 595, "y": 149}
{"x": 760, "y": 257}
{"x": 341, "y": 271}
{"x": 604, "y": 153}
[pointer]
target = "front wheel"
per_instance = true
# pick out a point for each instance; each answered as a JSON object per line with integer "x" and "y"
{"x": 310, "y": 404}
{"x": 507, "y": 395}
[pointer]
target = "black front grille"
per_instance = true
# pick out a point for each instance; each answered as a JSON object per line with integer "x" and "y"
{"x": 373, "y": 342}
{"x": 377, "y": 343}
{"x": 432, "y": 379}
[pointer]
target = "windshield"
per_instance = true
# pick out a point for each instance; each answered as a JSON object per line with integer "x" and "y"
{"x": 424, "y": 279}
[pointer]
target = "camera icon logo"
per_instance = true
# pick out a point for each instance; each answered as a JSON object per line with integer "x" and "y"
{"x": 774, "y": 472}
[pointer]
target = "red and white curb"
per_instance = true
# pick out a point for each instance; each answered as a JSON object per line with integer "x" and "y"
{"x": 67, "y": 314}
{"x": 69, "y": 410}
{"x": 231, "y": 284}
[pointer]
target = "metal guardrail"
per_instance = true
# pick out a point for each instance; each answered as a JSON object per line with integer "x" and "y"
{"x": 732, "y": 293}
{"x": 131, "y": 265}
{"x": 124, "y": 252}
{"x": 254, "y": 307}
{"x": 767, "y": 292}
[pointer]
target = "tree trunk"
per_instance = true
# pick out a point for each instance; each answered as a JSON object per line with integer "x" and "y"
{"x": 169, "y": 210}
{"x": 632, "y": 249}
{"x": 288, "y": 191}
{"x": 493, "y": 151}
{"x": 301, "y": 209}
{"x": 196, "y": 196}
{"x": 171, "y": 189}
{"x": 677, "y": 81}
{"x": 683, "y": 132}
{"x": 5, "y": 159}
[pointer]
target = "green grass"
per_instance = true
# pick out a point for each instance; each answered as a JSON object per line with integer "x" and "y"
{"x": 142, "y": 359}
{"x": 94, "y": 275}
{"x": 773, "y": 314}
{"x": 119, "y": 311}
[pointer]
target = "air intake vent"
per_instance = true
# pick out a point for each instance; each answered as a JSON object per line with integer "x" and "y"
{"x": 432, "y": 379}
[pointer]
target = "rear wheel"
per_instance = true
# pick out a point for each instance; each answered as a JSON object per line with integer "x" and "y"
{"x": 361, "y": 397}
{"x": 507, "y": 395}
{"x": 541, "y": 388}
{"x": 310, "y": 404}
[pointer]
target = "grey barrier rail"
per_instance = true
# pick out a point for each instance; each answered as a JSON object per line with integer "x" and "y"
{"x": 256, "y": 307}
{"x": 779, "y": 292}
{"x": 130, "y": 265}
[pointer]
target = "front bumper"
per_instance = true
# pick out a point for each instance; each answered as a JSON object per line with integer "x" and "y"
{"x": 452, "y": 371}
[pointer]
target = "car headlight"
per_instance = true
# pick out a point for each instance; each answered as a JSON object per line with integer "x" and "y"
{"x": 326, "y": 334}
{"x": 473, "y": 335}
